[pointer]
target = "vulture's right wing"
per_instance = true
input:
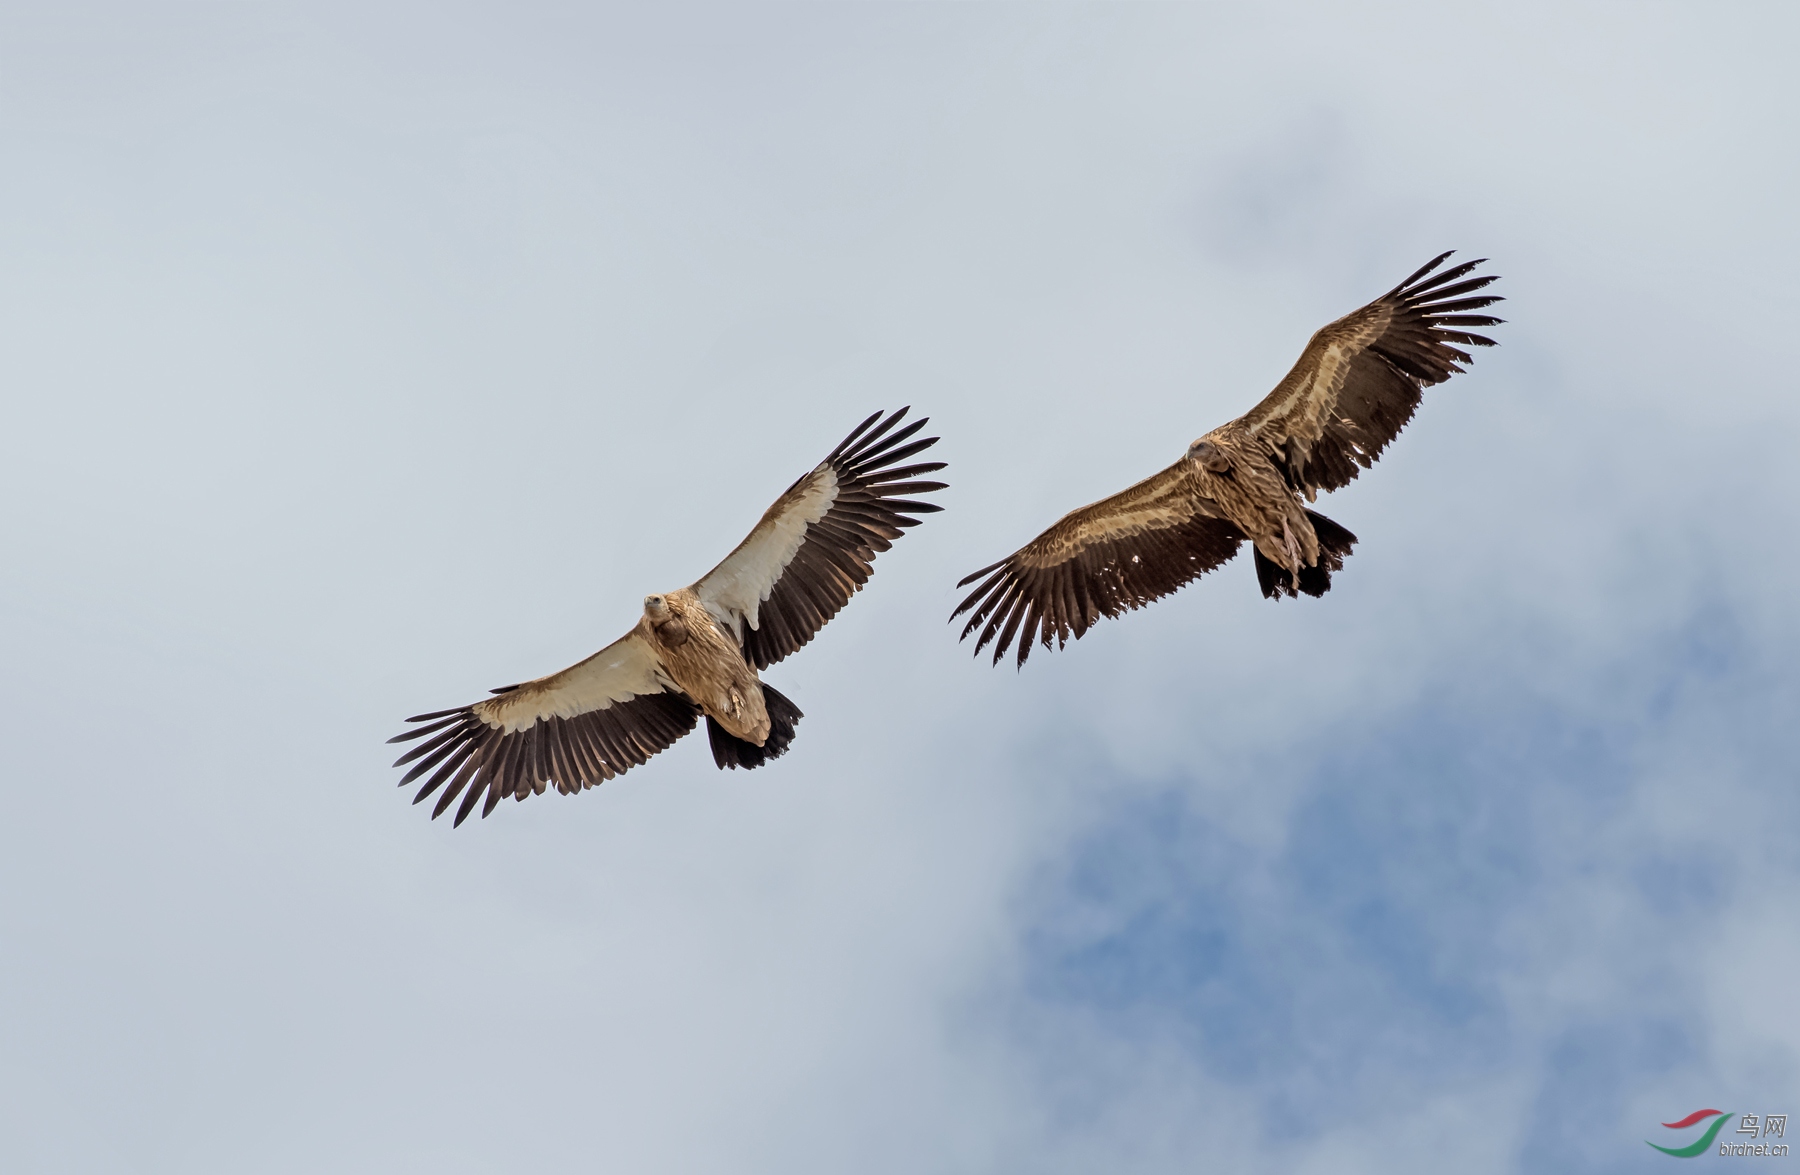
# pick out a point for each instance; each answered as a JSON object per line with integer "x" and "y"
{"x": 1102, "y": 560}
{"x": 1359, "y": 380}
{"x": 812, "y": 550}
{"x": 573, "y": 729}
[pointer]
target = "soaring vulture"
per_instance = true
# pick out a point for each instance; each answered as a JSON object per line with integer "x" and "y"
{"x": 695, "y": 651}
{"x": 1353, "y": 390}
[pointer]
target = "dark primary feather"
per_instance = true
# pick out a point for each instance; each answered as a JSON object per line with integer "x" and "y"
{"x": 871, "y": 511}
{"x": 467, "y": 757}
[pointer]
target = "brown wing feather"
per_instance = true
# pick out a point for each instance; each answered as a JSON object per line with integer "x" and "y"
{"x": 1359, "y": 380}
{"x": 1102, "y": 560}
{"x": 813, "y": 548}
{"x": 570, "y": 731}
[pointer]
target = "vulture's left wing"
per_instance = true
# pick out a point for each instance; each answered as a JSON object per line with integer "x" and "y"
{"x": 811, "y": 551}
{"x": 573, "y": 729}
{"x": 1105, "y": 559}
{"x": 1359, "y": 379}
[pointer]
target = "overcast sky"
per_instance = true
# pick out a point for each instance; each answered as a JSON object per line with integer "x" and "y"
{"x": 356, "y": 359}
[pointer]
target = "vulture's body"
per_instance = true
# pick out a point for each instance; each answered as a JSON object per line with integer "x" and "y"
{"x": 1355, "y": 387}
{"x": 706, "y": 663}
{"x": 694, "y": 652}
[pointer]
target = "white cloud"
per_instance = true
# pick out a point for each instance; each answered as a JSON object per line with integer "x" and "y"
{"x": 347, "y": 357}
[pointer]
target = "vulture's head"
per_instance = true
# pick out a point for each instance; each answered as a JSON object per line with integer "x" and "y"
{"x": 1209, "y": 455}
{"x": 665, "y": 622}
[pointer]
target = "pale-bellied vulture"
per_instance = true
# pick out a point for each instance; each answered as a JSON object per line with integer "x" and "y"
{"x": 695, "y": 651}
{"x": 1355, "y": 387}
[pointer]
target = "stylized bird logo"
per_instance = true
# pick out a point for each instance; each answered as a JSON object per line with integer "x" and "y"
{"x": 1700, "y": 1144}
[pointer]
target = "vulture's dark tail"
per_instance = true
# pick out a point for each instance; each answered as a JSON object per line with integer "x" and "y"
{"x": 1334, "y": 544}
{"x": 730, "y": 751}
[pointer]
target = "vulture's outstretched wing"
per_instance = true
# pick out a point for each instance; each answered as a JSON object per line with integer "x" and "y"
{"x": 1101, "y": 560}
{"x": 1359, "y": 379}
{"x": 811, "y": 551}
{"x": 570, "y": 730}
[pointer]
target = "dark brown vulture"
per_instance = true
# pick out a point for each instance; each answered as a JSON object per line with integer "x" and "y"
{"x": 1356, "y": 385}
{"x": 695, "y": 651}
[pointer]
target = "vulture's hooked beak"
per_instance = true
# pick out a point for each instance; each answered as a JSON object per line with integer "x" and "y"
{"x": 656, "y": 607}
